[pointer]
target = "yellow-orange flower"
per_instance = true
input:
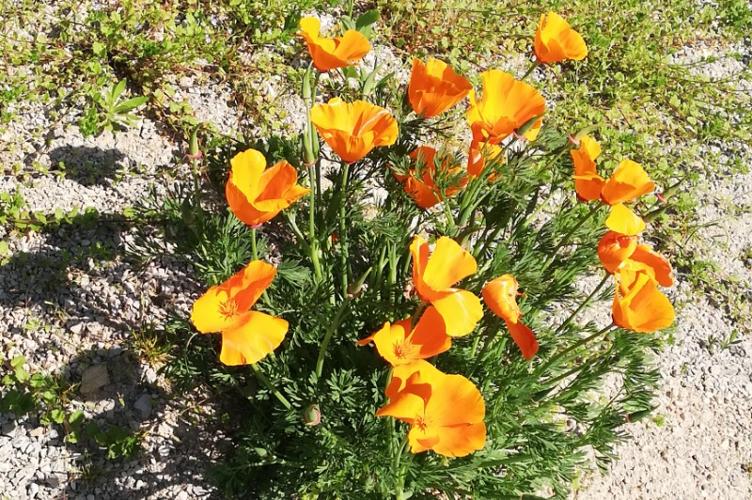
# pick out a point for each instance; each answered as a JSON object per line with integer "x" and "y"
{"x": 506, "y": 105}
{"x": 247, "y": 336}
{"x": 353, "y": 129}
{"x": 445, "y": 412}
{"x": 479, "y": 154}
{"x": 657, "y": 265}
{"x": 420, "y": 181}
{"x": 434, "y": 274}
{"x": 500, "y": 295}
{"x": 434, "y": 87}
{"x": 638, "y": 304}
{"x": 587, "y": 182}
{"x": 331, "y": 53}
{"x": 257, "y": 194}
{"x": 628, "y": 182}
{"x": 615, "y": 248}
{"x": 556, "y": 41}
{"x": 399, "y": 343}
{"x": 621, "y": 219}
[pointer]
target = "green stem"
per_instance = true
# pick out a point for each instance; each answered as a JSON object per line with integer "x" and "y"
{"x": 313, "y": 243}
{"x": 265, "y": 381}
{"x": 584, "y": 304}
{"x": 530, "y": 69}
{"x": 400, "y": 493}
{"x": 551, "y": 362}
{"x": 328, "y": 336}
{"x": 594, "y": 208}
{"x": 343, "y": 259}
{"x": 254, "y": 248}
{"x": 295, "y": 229}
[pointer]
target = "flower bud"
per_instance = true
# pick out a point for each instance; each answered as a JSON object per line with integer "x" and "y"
{"x": 312, "y": 415}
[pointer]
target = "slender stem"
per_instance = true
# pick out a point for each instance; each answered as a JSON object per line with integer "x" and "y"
{"x": 343, "y": 259}
{"x": 265, "y": 381}
{"x": 449, "y": 218}
{"x": 583, "y": 304}
{"x": 295, "y": 229}
{"x": 400, "y": 494}
{"x": 254, "y": 247}
{"x": 594, "y": 208}
{"x": 554, "y": 178}
{"x": 313, "y": 243}
{"x": 533, "y": 65}
{"x": 328, "y": 336}
{"x": 551, "y": 362}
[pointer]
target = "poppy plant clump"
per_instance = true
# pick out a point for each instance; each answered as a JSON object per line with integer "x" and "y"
{"x": 400, "y": 289}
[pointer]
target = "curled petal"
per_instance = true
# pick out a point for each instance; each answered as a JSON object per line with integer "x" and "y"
{"x": 434, "y": 87}
{"x": 639, "y": 305}
{"x": 332, "y": 53}
{"x": 505, "y": 106}
{"x": 525, "y": 339}
{"x": 659, "y": 265}
{"x": 500, "y": 295}
{"x": 615, "y": 248}
{"x": 556, "y": 41}
{"x": 623, "y": 220}
{"x": 353, "y": 129}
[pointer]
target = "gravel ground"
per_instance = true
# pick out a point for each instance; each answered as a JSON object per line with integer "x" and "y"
{"x": 699, "y": 445}
{"x": 70, "y": 301}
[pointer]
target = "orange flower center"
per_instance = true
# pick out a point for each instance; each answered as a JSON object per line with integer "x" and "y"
{"x": 228, "y": 308}
{"x": 421, "y": 423}
{"x": 405, "y": 350}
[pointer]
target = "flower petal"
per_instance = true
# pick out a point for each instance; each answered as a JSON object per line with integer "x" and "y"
{"x": 253, "y": 340}
{"x": 623, "y": 220}
{"x": 461, "y": 310}
{"x": 525, "y": 339}
{"x": 448, "y": 264}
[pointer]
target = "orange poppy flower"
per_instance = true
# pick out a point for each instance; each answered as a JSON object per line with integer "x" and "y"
{"x": 615, "y": 248}
{"x": 500, "y": 295}
{"x": 435, "y": 272}
{"x": 556, "y": 41}
{"x": 257, "y": 194}
{"x": 506, "y": 105}
{"x": 445, "y": 412}
{"x": 331, "y": 53}
{"x": 638, "y": 304}
{"x": 247, "y": 336}
{"x": 353, "y": 129}
{"x": 434, "y": 87}
{"x": 587, "y": 182}
{"x": 628, "y": 182}
{"x": 479, "y": 154}
{"x": 420, "y": 181}
{"x": 400, "y": 344}
{"x": 659, "y": 267}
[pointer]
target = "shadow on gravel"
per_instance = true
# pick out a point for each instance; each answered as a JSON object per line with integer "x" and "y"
{"x": 135, "y": 440}
{"x": 59, "y": 274}
{"x": 87, "y": 165}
